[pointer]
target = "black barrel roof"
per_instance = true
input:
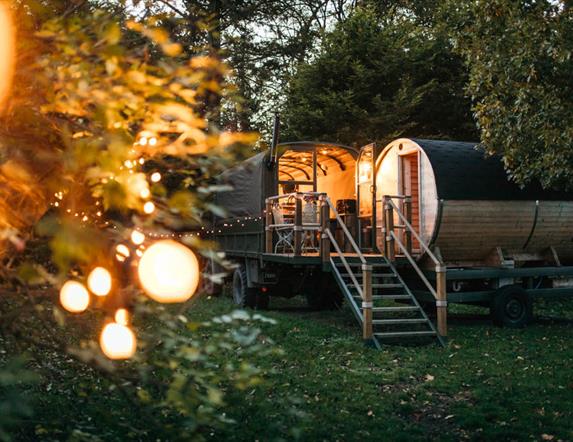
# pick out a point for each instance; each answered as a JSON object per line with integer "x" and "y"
{"x": 463, "y": 172}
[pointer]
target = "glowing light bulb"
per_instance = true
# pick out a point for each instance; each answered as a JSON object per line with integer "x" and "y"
{"x": 117, "y": 341}
{"x": 99, "y": 281}
{"x": 122, "y": 316}
{"x": 144, "y": 193}
{"x": 169, "y": 272}
{"x": 156, "y": 177}
{"x": 7, "y": 52}
{"x": 74, "y": 297}
{"x": 149, "y": 207}
{"x": 137, "y": 237}
{"x": 152, "y": 141}
{"x": 143, "y": 141}
{"x": 122, "y": 250}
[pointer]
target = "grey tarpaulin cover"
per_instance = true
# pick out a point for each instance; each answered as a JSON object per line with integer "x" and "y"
{"x": 247, "y": 180}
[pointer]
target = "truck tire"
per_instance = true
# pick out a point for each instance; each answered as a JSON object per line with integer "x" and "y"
{"x": 511, "y": 307}
{"x": 243, "y": 296}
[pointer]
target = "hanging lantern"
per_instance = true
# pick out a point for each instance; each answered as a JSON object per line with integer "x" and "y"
{"x": 7, "y": 52}
{"x": 169, "y": 272}
{"x": 117, "y": 341}
{"x": 74, "y": 297}
{"x": 99, "y": 281}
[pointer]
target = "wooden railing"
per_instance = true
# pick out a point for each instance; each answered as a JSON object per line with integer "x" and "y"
{"x": 327, "y": 240}
{"x": 391, "y": 239}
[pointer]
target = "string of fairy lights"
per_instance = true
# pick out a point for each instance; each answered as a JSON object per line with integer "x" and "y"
{"x": 167, "y": 271}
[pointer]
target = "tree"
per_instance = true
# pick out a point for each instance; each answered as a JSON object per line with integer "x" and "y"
{"x": 376, "y": 78}
{"x": 261, "y": 40}
{"x": 99, "y": 105}
{"x": 519, "y": 55}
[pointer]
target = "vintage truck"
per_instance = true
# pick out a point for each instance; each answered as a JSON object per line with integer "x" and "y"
{"x": 398, "y": 231}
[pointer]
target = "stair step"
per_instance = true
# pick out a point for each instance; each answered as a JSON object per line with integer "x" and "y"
{"x": 374, "y": 275}
{"x": 398, "y": 321}
{"x": 387, "y": 297}
{"x": 381, "y": 286}
{"x": 405, "y": 333}
{"x": 358, "y": 264}
{"x": 395, "y": 309}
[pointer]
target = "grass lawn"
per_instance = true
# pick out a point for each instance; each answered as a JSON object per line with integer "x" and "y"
{"x": 489, "y": 384}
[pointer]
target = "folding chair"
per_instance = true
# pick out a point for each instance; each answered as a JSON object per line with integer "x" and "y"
{"x": 285, "y": 233}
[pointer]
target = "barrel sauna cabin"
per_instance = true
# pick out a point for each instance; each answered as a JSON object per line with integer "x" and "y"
{"x": 464, "y": 205}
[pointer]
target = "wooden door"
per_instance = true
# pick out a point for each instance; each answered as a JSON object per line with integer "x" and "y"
{"x": 411, "y": 186}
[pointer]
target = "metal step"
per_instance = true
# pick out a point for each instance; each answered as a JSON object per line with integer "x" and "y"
{"x": 395, "y": 309}
{"x": 358, "y": 264}
{"x": 398, "y": 321}
{"x": 381, "y": 286}
{"x": 405, "y": 333}
{"x": 387, "y": 297}
{"x": 374, "y": 275}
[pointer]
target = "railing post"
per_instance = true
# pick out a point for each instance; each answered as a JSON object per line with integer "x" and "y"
{"x": 441, "y": 301}
{"x": 268, "y": 229}
{"x": 324, "y": 226}
{"x": 408, "y": 215}
{"x": 367, "y": 303}
{"x": 298, "y": 225}
{"x": 390, "y": 251}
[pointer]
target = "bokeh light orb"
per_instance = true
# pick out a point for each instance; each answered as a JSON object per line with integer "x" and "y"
{"x": 7, "y": 52}
{"x": 137, "y": 237}
{"x": 169, "y": 272}
{"x": 122, "y": 316}
{"x": 99, "y": 281}
{"x": 148, "y": 208}
{"x": 74, "y": 297}
{"x": 117, "y": 341}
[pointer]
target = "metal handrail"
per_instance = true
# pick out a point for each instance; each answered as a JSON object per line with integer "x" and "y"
{"x": 346, "y": 232}
{"x": 409, "y": 226}
{"x": 345, "y": 262}
{"x": 293, "y": 194}
{"x": 415, "y": 266}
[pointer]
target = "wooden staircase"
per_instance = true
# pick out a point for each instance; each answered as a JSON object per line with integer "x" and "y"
{"x": 396, "y": 314}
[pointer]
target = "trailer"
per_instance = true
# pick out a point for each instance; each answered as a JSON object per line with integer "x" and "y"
{"x": 398, "y": 232}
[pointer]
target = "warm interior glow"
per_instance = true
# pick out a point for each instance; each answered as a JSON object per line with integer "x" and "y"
{"x": 7, "y": 52}
{"x": 137, "y": 237}
{"x": 117, "y": 341}
{"x": 122, "y": 316}
{"x": 169, "y": 272}
{"x": 99, "y": 281}
{"x": 74, "y": 297}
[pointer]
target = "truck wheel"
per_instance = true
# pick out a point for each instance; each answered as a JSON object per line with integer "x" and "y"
{"x": 511, "y": 307}
{"x": 242, "y": 294}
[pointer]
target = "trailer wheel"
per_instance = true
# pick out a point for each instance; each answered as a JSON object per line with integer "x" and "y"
{"x": 242, "y": 294}
{"x": 511, "y": 307}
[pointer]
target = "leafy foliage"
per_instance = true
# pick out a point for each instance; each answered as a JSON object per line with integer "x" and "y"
{"x": 99, "y": 104}
{"x": 379, "y": 77}
{"x": 519, "y": 57}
